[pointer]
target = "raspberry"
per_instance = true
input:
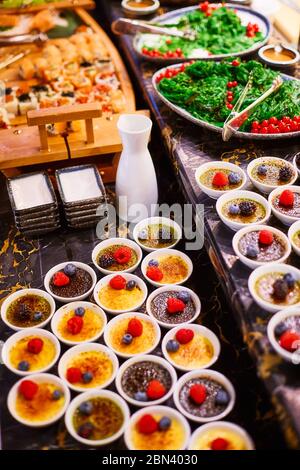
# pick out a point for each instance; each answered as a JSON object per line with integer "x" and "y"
{"x": 219, "y": 444}
{"x": 74, "y": 325}
{"x": 147, "y": 424}
{"x": 198, "y": 393}
{"x": 28, "y": 389}
{"x": 155, "y": 390}
{"x": 286, "y": 198}
{"x": 290, "y": 341}
{"x": 184, "y": 336}
{"x": 60, "y": 279}
{"x": 135, "y": 327}
{"x": 266, "y": 237}
{"x": 118, "y": 282}
{"x": 175, "y": 305}
{"x": 73, "y": 375}
{"x": 220, "y": 179}
{"x": 122, "y": 255}
{"x": 35, "y": 345}
{"x": 154, "y": 273}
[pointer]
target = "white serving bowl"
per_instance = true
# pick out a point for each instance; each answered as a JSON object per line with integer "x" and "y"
{"x": 141, "y": 316}
{"x": 147, "y": 358}
{"x": 252, "y": 263}
{"x": 22, "y": 293}
{"x": 261, "y": 271}
{"x": 221, "y": 425}
{"x": 62, "y": 311}
{"x": 129, "y": 277}
{"x": 285, "y": 219}
{"x": 140, "y": 11}
{"x": 75, "y": 403}
{"x": 162, "y": 253}
{"x": 36, "y": 332}
{"x": 161, "y": 411}
{"x": 294, "y": 228}
{"x": 117, "y": 241}
{"x": 194, "y": 297}
{"x": 60, "y": 267}
{"x": 197, "y": 329}
{"x": 38, "y": 378}
{"x": 156, "y": 221}
{"x": 211, "y": 374}
{"x": 219, "y": 166}
{"x": 267, "y": 188}
{"x": 280, "y": 316}
{"x": 231, "y": 196}
{"x": 295, "y": 163}
{"x": 75, "y": 351}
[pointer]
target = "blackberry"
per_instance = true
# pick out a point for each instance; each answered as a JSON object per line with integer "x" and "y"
{"x": 285, "y": 174}
{"x": 280, "y": 289}
{"x": 105, "y": 261}
{"x": 24, "y": 312}
{"x": 247, "y": 208}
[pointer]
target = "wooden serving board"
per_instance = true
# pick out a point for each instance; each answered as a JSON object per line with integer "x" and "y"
{"x": 70, "y": 4}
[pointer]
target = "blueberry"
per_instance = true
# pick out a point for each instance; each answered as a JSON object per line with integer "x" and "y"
{"x": 280, "y": 289}
{"x": 234, "y": 178}
{"x": 280, "y": 329}
{"x": 143, "y": 234}
{"x": 140, "y": 396}
{"x": 23, "y": 366}
{"x": 87, "y": 377}
{"x": 290, "y": 280}
{"x": 86, "y": 408}
{"x": 285, "y": 174}
{"x": 222, "y": 398}
{"x": 79, "y": 311}
{"x": 184, "y": 296}
{"x": 234, "y": 209}
{"x": 37, "y": 316}
{"x": 130, "y": 285}
{"x": 70, "y": 269}
{"x": 262, "y": 170}
{"x": 252, "y": 252}
{"x": 172, "y": 345}
{"x": 57, "y": 394}
{"x": 153, "y": 262}
{"x": 85, "y": 430}
{"x": 164, "y": 423}
{"x": 127, "y": 339}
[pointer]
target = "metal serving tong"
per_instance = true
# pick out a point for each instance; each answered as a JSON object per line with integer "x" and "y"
{"x": 20, "y": 39}
{"x": 127, "y": 26}
{"x": 237, "y": 118}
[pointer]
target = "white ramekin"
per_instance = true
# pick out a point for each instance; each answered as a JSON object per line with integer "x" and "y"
{"x": 117, "y": 241}
{"x": 219, "y": 166}
{"x": 154, "y": 221}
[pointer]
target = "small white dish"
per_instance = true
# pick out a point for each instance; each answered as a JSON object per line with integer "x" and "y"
{"x": 60, "y": 267}
{"x": 117, "y": 241}
{"x": 138, "y": 11}
{"x": 219, "y": 166}
{"x": 241, "y": 194}
{"x": 267, "y": 188}
{"x": 70, "y": 354}
{"x": 294, "y": 228}
{"x": 65, "y": 309}
{"x": 143, "y": 224}
{"x": 295, "y": 56}
{"x": 221, "y": 426}
{"x": 161, "y": 411}
{"x": 261, "y": 271}
{"x": 163, "y": 252}
{"x": 210, "y": 374}
{"x": 141, "y": 316}
{"x": 29, "y": 332}
{"x": 39, "y": 379}
{"x": 129, "y": 277}
{"x": 252, "y": 263}
{"x": 293, "y": 357}
{"x": 21, "y": 293}
{"x": 297, "y": 157}
{"x": 197, "y": 329}
{"x": 162, "y": 289}
{"x": 285, "y": 219}
{"x": 75, "y": 403}
{"x": 147, "y": 358}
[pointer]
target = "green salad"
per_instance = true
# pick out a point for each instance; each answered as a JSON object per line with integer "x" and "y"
{"x": 218, "y": 31}
{"x": 208, "y": 91}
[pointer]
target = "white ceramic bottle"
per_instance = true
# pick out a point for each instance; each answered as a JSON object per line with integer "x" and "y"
{"x": 136, "y": 183}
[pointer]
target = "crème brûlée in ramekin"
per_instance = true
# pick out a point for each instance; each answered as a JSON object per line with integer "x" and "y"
{"x": 138, "y": 344}
{"x": 92, "y": 324}
{"x": 195, "y": 354}
{"x": 120, "y": 299}
{"x": 89, "y": 369}
{"x": 33, "y": 352}
{"x": 219, "y": 439}
{"x": 171, "y": 438}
